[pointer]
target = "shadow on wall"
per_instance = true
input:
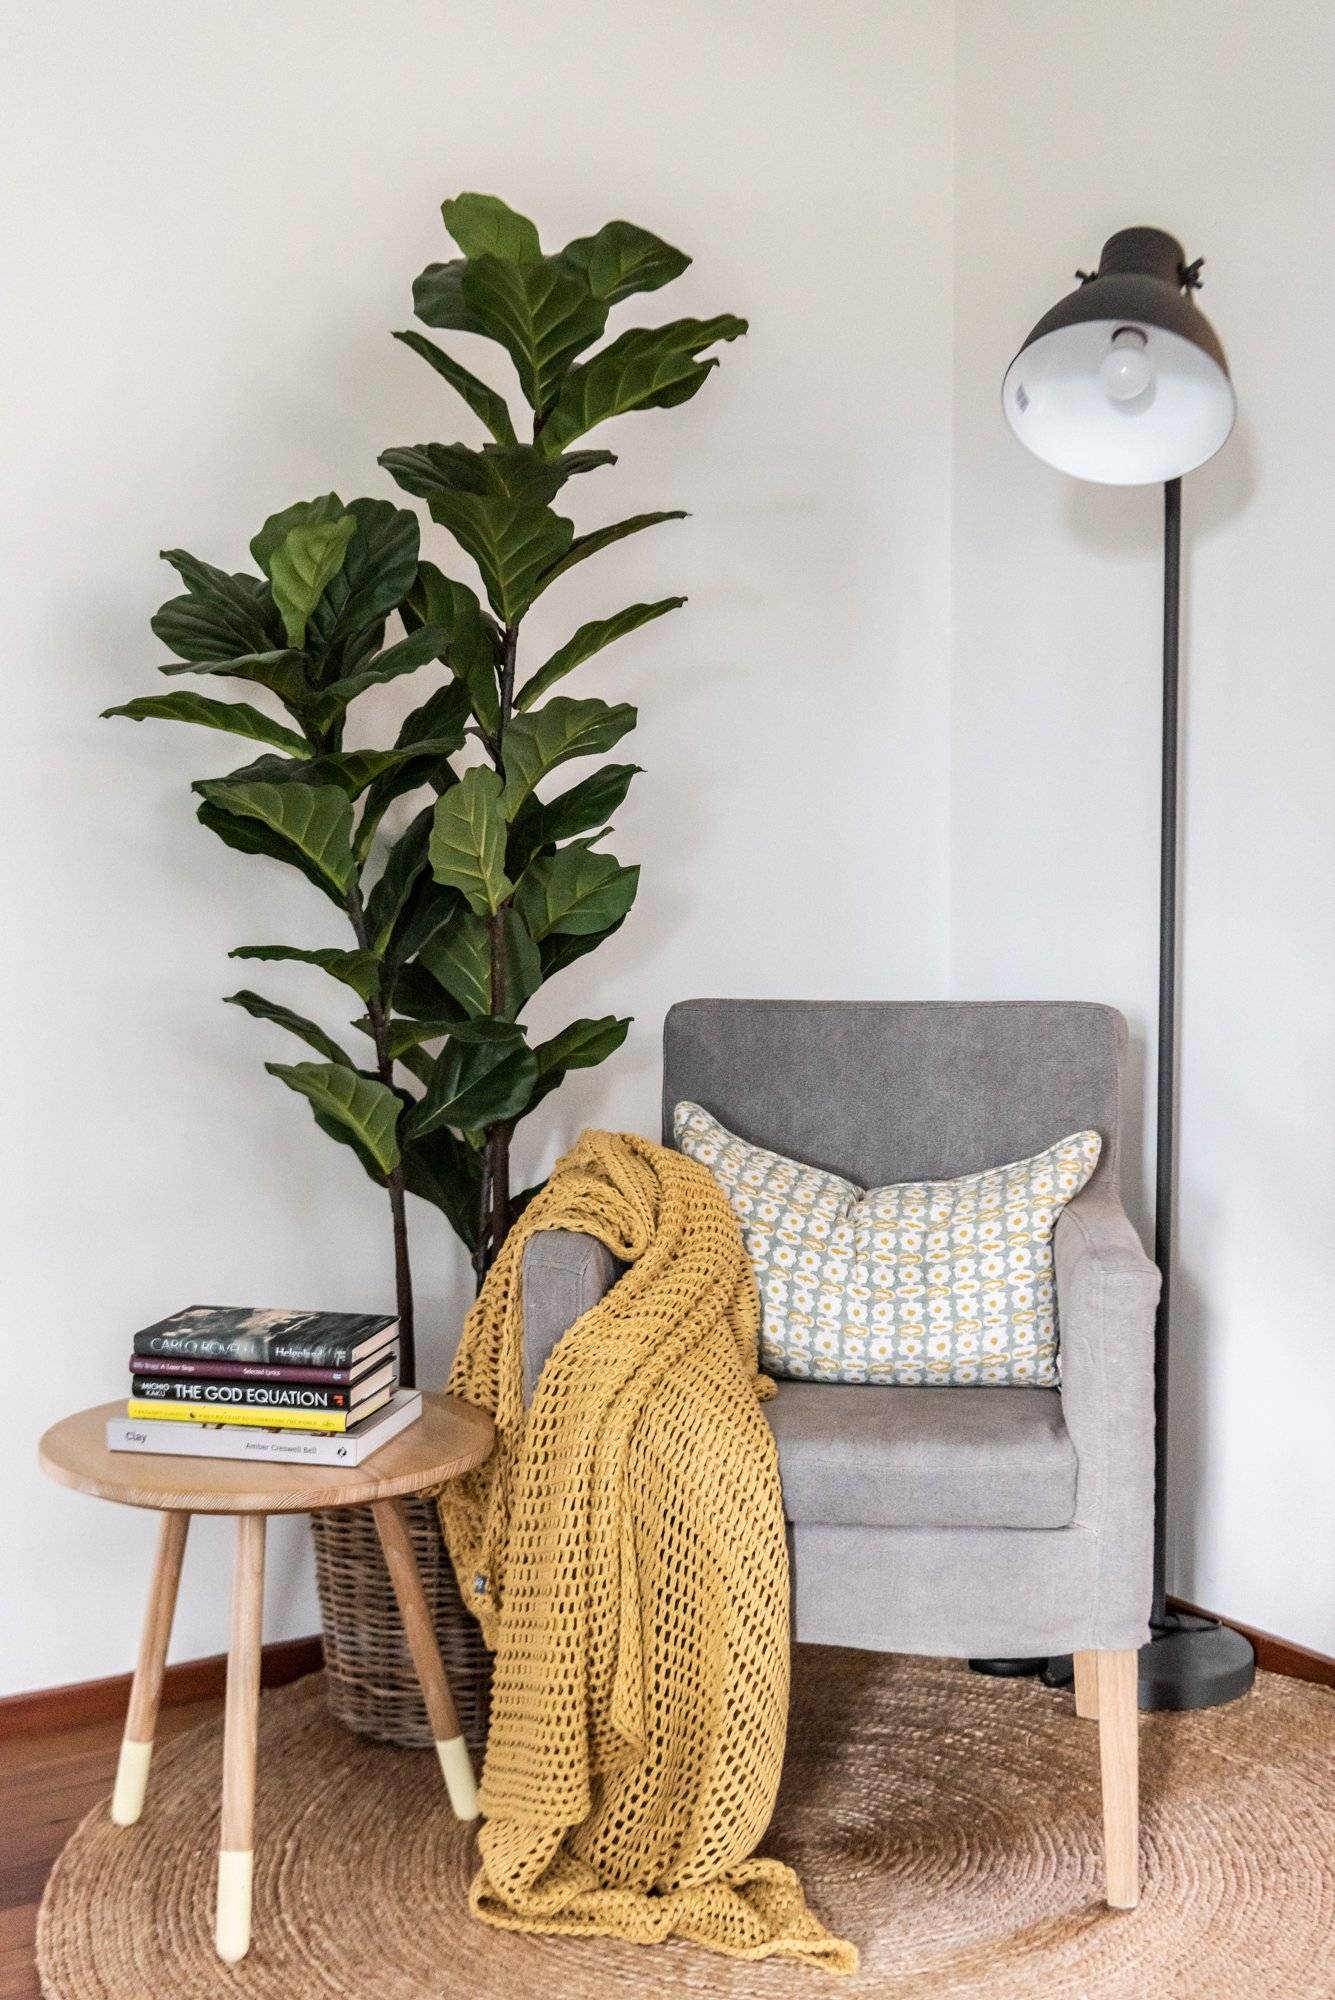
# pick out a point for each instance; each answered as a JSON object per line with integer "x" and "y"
{"x": 1190, "y": 1427}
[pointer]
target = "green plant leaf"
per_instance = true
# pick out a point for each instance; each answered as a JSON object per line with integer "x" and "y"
{"x": 459, "y": 956}
{"x": 438, "y": 298}
{"x": 302, "y": 513}
{"x": 575, "y": 891}
{"x": 646, "y": 368}
{"x": 358, "y": 969}
{"x": 540, "y": 739}
{"x": 583, "y": 1045}
{"x": 416, "y": 993}
{"x": 282, "y": 672}
{"x": 485, "y": 402}
{"x": 513, "y": 542}
{"x": 427, "y": 739}
{"x": 476, "y": 1084}
{"x": 420, "y": 647}
{"x": 447, "y": 1172}
{"x": 622, "y": 259}
{"x": 472, "y": 643}
{"x": 402, "y": 1036}
{"x": 250, "y": 836}
{"x": 592, "y": 544}
{"x": 296, "y": 1024}
{"x": 351, "y": 770}
{"x": 542, "y": 313}
{"x": 511, "y": 472}
{"x": 405, "y": 865}
{"x": 313, "y": 820}
{"x": 219, "y": 617}
{"x": 375, "y": 578}
{"x": 484, "y": 226}
{"x": 468, "y": 841}
{"x": 591, "y": 803}
{"x": 441, "y": 718}
{"x": 591, "y": 639}
{"x": 562, "y": 948}
{"x": 236, "y": 718}
{"x": 363, "y": 1114}
{"x": 307, "y": 560}
{"x": 431, "y": 907}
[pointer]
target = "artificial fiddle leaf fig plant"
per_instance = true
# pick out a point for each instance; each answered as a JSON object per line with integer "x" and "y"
{"x": 491, "y": 887}
{"x": 511, "y": 886}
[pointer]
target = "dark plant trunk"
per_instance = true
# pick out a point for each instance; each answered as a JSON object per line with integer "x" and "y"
{"x": 494, "y": 1203}
{"x": 403, "y": 1283}
{"x": 403, "y": 1276}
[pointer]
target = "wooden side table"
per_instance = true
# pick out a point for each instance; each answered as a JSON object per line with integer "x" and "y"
{"x": 450, "y": 1438}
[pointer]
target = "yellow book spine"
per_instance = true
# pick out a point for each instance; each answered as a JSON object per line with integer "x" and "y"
{"x": 258, "y": 1420}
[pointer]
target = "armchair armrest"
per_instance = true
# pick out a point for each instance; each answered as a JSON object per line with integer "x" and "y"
{"x": 1107, "y": 1291}
{"x": 565, "y": 1275}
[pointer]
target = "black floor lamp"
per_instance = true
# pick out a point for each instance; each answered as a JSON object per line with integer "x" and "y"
{"x": 1124, "y": 382}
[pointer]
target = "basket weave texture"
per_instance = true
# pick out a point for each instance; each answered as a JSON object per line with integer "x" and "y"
{"x": 372, "y": 1687}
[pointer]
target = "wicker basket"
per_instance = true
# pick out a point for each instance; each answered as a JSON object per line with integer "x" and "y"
{"x": 368, "y": 1669}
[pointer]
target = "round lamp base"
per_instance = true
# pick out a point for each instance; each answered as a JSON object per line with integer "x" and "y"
{"x": 1189, "y": 1662}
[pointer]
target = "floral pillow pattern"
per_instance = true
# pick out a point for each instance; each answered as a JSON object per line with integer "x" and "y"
{"x": 921, "y": 1282}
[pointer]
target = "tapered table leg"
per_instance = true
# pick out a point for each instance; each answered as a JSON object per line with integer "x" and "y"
{"x": 236, "y": 1854}
{"x": 451, "y": 1749}
{"x": 127, "y": 1800}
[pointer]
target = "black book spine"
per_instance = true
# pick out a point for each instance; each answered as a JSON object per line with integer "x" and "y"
{"x": 201, "y": 1392}
{"x": 295, "y": 1353}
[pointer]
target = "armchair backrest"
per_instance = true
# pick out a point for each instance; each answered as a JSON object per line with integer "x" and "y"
{"x": 900, "y": 1090}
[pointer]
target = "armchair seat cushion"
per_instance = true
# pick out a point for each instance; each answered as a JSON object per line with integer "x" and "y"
{"x": 863, "y": 1456}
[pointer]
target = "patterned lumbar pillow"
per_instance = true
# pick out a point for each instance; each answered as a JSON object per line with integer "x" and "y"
{"x": 925, "y": 1281}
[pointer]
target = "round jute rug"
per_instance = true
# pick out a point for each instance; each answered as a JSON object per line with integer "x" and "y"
{"x": 948, "y": 1824}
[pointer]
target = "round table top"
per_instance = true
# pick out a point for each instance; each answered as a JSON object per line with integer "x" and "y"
{"x": 450, "y": 1437}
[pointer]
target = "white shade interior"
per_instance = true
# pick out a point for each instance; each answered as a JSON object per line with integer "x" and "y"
{"x": 1058, "y": 405}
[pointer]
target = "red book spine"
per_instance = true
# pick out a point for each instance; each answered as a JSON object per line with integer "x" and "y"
{"x": 238, "y": 1371}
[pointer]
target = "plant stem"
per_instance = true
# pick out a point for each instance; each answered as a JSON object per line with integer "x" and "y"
{"x": 403, "y": 1277}
{"x": 494, "y": 1205}
{"x": 498, "y": 1149}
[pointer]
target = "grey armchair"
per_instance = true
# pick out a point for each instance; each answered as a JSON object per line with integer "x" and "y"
{"x": 947, "y": 1521}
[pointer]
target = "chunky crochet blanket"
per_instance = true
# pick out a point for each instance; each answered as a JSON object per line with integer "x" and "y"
{"x": 624, "y": 1549}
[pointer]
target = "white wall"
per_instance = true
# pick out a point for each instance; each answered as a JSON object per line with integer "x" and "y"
{"x": 209, "y": 232}
{"x": 1075, "y": 118}
{"x": 213, "y": 218}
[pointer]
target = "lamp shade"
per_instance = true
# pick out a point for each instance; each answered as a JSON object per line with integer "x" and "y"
{"x": 1124, "y": 381}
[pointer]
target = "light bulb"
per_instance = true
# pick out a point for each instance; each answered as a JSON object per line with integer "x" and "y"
{"x": 1127, "y": 370}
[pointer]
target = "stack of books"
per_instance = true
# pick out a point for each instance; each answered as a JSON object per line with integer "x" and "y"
{"x": 241, "y": 1382}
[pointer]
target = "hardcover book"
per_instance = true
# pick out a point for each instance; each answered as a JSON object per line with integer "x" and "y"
{"x": 263, "y": 1397}
{"x": 280, "y": 1447}
{"x": 218, "y": 1413}
{"x": 252, "y": 1333}
{"x": 262, "y": 1371}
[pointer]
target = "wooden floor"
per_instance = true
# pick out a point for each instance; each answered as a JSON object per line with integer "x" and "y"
{"x": 48, "y": 1782}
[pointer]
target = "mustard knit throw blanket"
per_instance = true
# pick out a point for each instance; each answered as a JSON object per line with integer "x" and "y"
{"x": 624, "y": 1549}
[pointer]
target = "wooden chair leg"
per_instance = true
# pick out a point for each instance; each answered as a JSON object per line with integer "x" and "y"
{"x": 1087, "y": 1686}
{"x": 236, "y": 1847}
{"x": 1119, "y": 1764}
{"x": 451, "y": 1749}
{"x": 127, "y": 1800}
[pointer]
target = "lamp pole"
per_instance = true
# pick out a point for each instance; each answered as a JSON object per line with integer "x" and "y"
{"x": 1124, "y": 382}
{"x": 1190, "y": 1662}
{"x": 1166, "y": 1120}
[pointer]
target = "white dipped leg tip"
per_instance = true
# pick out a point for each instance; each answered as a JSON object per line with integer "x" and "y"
{"x": 457, "y": 1765}
{"x": 127, "y": 1801}
{"x": 232, "y": 1930}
